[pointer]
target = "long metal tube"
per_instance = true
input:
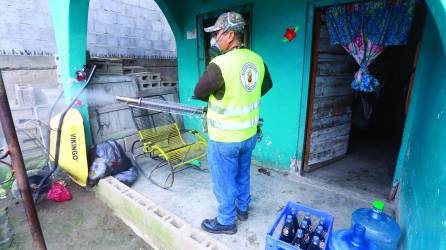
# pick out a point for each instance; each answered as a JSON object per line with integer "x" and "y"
{"x": 162, "y": 106}
{"x": 19, "y": 170}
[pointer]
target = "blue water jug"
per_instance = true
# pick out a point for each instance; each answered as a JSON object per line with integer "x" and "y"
{"x": 380, "y": 228}
{"x": 351, "y": 239}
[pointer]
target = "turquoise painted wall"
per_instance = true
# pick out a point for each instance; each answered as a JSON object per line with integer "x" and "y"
{"x": 280, "y": 107}
{"x": 70, "y": 18}
{"x": 438, "y": 10}
{"x": 423, "y": 175}
{"x": 284, "y": 108}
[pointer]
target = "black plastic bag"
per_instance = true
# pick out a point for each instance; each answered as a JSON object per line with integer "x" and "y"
{"x": 127, "y": 177}
{"x": 110, "y": 159}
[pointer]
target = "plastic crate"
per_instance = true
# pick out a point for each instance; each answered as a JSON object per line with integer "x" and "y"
{"x": 272, "y": 238}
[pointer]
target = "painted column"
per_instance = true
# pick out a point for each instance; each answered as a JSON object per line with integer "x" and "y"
{"x": 70, "y": 18}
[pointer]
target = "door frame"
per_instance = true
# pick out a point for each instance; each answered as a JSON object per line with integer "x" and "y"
{"x": 307, "y": 91}
{"x": 306, "y": 76}
{"x": 313, "y": 73}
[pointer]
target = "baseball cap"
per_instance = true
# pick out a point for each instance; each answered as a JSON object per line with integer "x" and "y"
{"x": 228, "y": 21}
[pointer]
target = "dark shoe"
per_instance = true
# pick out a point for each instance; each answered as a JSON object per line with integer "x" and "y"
{"x": 213, "y": 226}
{"x": 242, "y": 215}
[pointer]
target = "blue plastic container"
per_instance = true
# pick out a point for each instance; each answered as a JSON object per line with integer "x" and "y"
{"x": 380, "y": 228}
{"x": 351, "y": 239}
{"x": 272, "y": 237}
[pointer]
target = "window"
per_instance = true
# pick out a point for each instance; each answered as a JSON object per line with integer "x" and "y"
{"x": 208, "y": 19}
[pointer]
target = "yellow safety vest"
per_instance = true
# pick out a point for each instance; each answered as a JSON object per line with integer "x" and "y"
{"x": 234, "y": 118}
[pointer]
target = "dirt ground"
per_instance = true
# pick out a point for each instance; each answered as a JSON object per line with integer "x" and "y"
{"x": 81, "y": 223}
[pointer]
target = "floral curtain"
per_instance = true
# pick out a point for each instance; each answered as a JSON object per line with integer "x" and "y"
{"x": 366, "y": 29}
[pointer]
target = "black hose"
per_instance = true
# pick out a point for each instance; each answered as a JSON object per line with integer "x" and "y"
{"x": 47, "y": 141}
{"x": 59, "y": 132}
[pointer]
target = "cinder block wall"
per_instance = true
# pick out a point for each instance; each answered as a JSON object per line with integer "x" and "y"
{"x": 129, "y": 27}
{"x": 115, "y": 28}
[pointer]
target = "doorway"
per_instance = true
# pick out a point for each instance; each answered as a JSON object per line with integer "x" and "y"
{"x": 352, "y": 139}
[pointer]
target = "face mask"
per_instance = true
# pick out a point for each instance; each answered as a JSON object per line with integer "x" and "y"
{"x": 214, "y": 43}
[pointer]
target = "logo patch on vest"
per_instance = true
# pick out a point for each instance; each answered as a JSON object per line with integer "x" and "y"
{"x": 249, "y": 76}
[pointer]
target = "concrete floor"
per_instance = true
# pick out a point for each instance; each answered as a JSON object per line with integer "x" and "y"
{"x": 366, "y": 172}
{"x": 191, "y": 198}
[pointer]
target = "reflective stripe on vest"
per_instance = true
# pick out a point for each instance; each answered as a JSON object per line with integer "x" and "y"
{"x": 236, "y": 111}
{"x": 234, "y": 117}
{"x": 231, "y": 125}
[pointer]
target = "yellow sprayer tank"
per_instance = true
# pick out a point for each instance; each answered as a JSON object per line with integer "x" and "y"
{"x": 72, "y": 148}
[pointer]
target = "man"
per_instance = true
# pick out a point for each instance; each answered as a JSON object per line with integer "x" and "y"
{"x": 232, "y": 85}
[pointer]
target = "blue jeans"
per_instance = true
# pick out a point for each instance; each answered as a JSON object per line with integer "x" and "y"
{"x": 229, "y": 163}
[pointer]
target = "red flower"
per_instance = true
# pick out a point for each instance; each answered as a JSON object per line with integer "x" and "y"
{"x": 290, "y": 34}
{"x": 79, "y": 103}
{"x": 81, "y": 76}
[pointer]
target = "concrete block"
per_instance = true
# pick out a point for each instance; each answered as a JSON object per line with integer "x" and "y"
{"x": 141, "y": 44}
{"x": 164, "y": 45}
{"x": 100, "y": 27}
{"x": 125, "y": 2}
{"x": 153, "y": 15}
{"x": 130, "y": 32}
{"x": 30, "y": 44}
{"x": 169, "y": 84}
{"x": 120, "y": 51}
{"x": 101, "y": 51}
{"x": 132, "y": 42}
{"x": 148, "y": 45}
{"x": 39, "y": 5}
{"x": 167, "y": 35}
{"x": 27, "y": 16}
{"x": 173, "y": 47}
{"x": 22, "y": 18}
{"x": 95, "y": 4}
{"x": 92, "y": 38}
{"x": 158, "y": 44}
{"x": 116, "y": 29}
{"x": 148, "y": 76}
{"x": 114, "y": 6}
{"x": 107, "y": 17}
{"x": 90, "y": 24}
{"x": 123, "y": 42}
{"x": 15, "y": 44}
{"x": 156, "y": 26}
{"x": 155, "y": 36}
{"x": 156, "y": 52}
{"x": 152, "y": 5}
{"x": 160, "y": 228}
{"x": 11, "y": 15}
{"x": 130, "y": 10}
{"x": 135, "y": 51}
{"x": 49, "y": 22}
{"x": 141, "y": 23}
{"x": 92, "y": 14}
{"x": 145, "y": 4}
{"x": 46, "y": 34}
{"x": 125, "y": 20}
{"x": 112, "y": 41}
{"x": 102, "y": 39}
{"x": 12, "y": 31}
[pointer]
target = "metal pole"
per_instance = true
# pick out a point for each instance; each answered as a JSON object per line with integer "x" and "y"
{"x": 18, "y": 168}
{"x": 161, "y": 106}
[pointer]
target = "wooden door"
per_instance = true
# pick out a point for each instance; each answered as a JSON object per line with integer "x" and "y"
{"x": 330, "y": 99}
